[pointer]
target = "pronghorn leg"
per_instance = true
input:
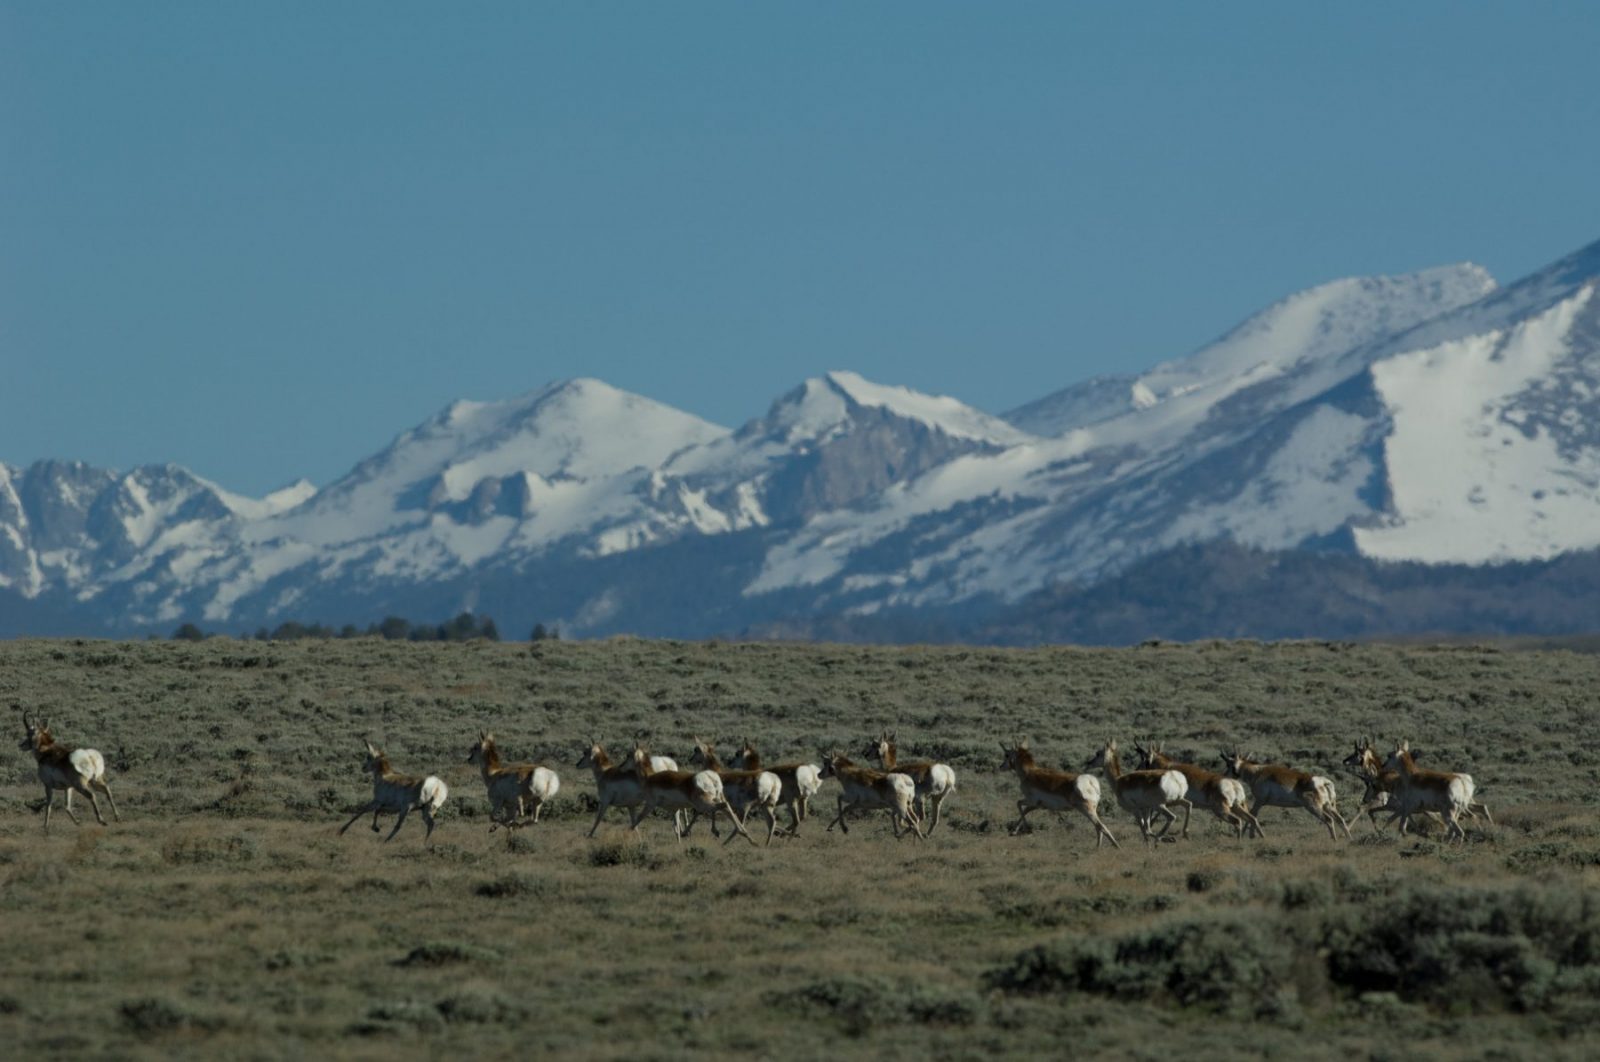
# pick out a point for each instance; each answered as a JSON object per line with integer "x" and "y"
{"x": 105, "y": 788}
{"x": 599, "y": 814}
{"x": 1023, "y": 807}
{"x": 398, "y": 822}
{"x": 937, "y": 800}
{"x": 838, "y": 820}
{"x": 68, "y": 805}
{"x": 1188, "y": 809}
{"x": 356, "y": 816}
{"x": 1478, "y": 808}
{"x": 1171, "y": 815}
{"x": 1251, "y": 822}
{"x": 1101, "y": 832}
{"x": 427, "y": 817}
{"x": 93, "y": 803}
{"x": 772, "y": 822}
{"x": 49, "y": 799}
{"x": 738, "y": 824}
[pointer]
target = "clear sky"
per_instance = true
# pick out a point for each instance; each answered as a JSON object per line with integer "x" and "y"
{"x": 259, "y": 240}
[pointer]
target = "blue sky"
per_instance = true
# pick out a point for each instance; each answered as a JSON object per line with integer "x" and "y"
{"x": 260, "y": 240}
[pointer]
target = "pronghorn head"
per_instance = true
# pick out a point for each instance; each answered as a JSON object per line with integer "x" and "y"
{"x": 37, "y": 734}
{"x": 376, "y": 762}
{"x": 1106, "y": 755}
{"x": 641, "y": 760}
{"x": 747, "y": 756}
{"x": 831, "y": 762}
{"x": 484, "y": 751}
{"x": 1015, "y": 756}
{"x": 1145, "y": 753}
{"x": 702, "y": 752}
{"x": 1401, "y": 756}
{"x": 1365, "y": 756}
{"x": 594, "y": 756}
{"x": 881, "y": 747}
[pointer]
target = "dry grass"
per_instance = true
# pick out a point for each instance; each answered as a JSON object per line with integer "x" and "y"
{"x": 225, "y": 916}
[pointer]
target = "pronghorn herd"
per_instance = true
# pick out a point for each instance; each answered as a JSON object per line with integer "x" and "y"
{"x": 911, "y": 793}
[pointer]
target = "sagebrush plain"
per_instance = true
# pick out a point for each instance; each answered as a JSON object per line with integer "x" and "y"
{"x": 224, "y": 915}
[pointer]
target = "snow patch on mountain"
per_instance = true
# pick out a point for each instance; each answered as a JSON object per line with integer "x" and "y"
{"x": 1473, "y": 478}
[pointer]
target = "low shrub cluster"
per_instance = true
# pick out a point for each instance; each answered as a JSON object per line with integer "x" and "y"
{"x": 1519, "y": 949}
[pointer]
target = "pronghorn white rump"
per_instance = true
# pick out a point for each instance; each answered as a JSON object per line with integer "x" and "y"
{"x": 801, "y": 782}
{"x": 744, "y": 788}
{"x": 1273, "y": 785}
{"x": 617, "y": 785}
{"x": 1054, "y": 791}
{"x": 682, "y": 791}
{"x": 865, "y": 789}
{"x": 398, "y": 794}
{"x": 935, "y": 782}
{"x": 1226, "y": 798}
{"x": 514, "y": 788}
{"x": 68, "y": 769}
{"x": 1446, "y": 792}
{"x": 1144, "y": 794}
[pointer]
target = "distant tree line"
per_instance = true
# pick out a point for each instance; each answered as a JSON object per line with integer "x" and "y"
{"x": 464, "y": 628}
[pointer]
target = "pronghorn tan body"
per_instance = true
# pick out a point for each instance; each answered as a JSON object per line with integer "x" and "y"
{"x": 1054, "y": 791}
{"x": 1273, "y": 785}
{"x": 1446, "y": 792}
{"x": 615, "y": 785}
{"x": 745, "y": 788}
{"x": 399, "y": 794}
{"x": 514, "y": 788}
{"x": 1226, "y": 798}
{"x": 865, "y": 789}
{"x": 1383, "y": 782}
{"x": 679, "y": 791}
{"x": 800, "y": 781}
{"x": 68, "y": 769}
{"x": 935, "y": 782}
{"x": 1144, "y": 794}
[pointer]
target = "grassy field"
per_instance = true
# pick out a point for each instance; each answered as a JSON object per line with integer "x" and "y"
{"x": 224, "y": 914}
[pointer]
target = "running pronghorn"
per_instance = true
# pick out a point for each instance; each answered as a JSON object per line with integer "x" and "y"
{"x": 934, "y": 781}
{"x": 68, "y": 769}
{"x": 615, "y": 785}
{"x": 1226, "y": 798}
{"x": 745, "y": 788}
{"x": 1448, "y": 793}
{"x": 399, "y": 794}
{"x": 1382, "y": 782}
{"x": 682, "y": 791}
{"x": 1273, "y": 785}
{"x": 801, "y": 781}
{"x": 1144, "y": 794}
{"x": 865, "y": 789}
{"x": 513, "y": 788}
{"x": 1054, "y": 791}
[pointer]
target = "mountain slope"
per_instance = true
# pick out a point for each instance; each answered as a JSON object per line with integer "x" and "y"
{"x": 1431, "y": 417}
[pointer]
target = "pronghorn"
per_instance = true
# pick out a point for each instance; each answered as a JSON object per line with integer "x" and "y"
{"x": 745, "y": 789}
{"x": 513, "y": 787}
{"x": 1382, "y": 782}
{"x": 1144, "y": 794}
{"x": 1054, "y": 791}
{"x": 397, "y": 793}
{"x": 866, "y": 789}
{"x": 68, "y": 769}
{"x": 1273, "y": 785}
{"x": 934, "y": 781}
{"x": 615, "y": 785}
{"x": 801, "y": 781}
{"x": 1450, "y": 794}
{"x": 682, "y": 791}
{"x": 1226, "y": 798}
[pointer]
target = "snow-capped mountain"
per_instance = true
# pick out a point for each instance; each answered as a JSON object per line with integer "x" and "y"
{"x": 1432, "y": 417}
